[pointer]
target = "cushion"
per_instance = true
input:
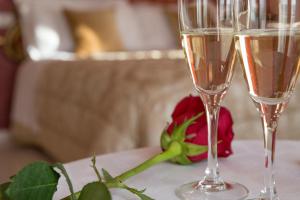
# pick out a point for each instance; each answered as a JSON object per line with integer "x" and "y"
{"x": 44, "y": 28}
{"x": 152, "y": 28}
{"x": 94, "y": 31}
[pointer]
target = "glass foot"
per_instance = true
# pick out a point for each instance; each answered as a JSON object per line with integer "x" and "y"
{"x": 265, "y": 198}
{"x": 261, "y": 198}
{"x": 192, "y": 191}
{"x": 266, "y": 194}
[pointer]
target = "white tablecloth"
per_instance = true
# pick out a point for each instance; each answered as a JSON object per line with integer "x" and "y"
{"x": 244, "y": 166}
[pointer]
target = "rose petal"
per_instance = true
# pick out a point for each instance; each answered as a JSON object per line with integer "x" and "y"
{"x": 188, "y": 104}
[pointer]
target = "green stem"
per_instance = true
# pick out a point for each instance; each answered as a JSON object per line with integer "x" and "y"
{"x": 174, "y": 150}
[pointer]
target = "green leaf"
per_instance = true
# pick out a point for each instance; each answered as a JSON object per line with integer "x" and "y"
{"x": 139, "y": 193}
{"x": 107, "y": 176}
{"x": 95, "y": 191}
{"x": 165, "y": 140}
{"x": 3, "y": 187}
{"x": 179, "y": 131}
{"x": 35, "y": 182}
{"x": 194, "y": 149}
{"x": 69, "y": 182}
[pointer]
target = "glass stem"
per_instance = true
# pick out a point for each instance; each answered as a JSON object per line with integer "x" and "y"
{"x": 212, "y": 181}
{"x": 269, "y": 121}
{"x": 212, "y": 170}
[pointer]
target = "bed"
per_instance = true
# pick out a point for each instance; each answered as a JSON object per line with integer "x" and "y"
{"x": 117, "y": 101}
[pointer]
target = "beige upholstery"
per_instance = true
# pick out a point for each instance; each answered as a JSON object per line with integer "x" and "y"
{"x": 100, "y": 106}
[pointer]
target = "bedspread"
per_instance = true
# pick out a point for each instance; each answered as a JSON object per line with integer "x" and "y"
{"x": 73, "y": 109}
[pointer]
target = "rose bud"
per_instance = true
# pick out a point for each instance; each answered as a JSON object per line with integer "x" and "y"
{"x": 197, "y": 132}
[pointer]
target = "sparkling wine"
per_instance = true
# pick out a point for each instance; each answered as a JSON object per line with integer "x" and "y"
{"x": 271, "y": 63}
{"x": 210, "y": 54}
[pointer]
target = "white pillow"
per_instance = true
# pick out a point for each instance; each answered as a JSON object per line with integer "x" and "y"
{"x": 44, "y": 28}
{"x": 155, "y": 28}
{"x": 144, "y": 27}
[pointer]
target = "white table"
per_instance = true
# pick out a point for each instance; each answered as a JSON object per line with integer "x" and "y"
{"x": 244, "y": 166}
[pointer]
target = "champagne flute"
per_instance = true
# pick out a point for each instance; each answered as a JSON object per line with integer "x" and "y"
{"x": 207, "y": 39}
{"x": 267, "y": 38}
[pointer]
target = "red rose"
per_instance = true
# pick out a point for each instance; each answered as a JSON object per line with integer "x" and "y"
{"x": 191, "y": 106}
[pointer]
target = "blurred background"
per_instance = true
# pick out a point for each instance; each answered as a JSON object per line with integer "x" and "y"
{"x": 79, "y": 77}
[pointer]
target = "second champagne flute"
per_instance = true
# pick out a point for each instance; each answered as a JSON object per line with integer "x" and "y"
{"x": 267, "y": 34}
{"x": 207, "y": 38}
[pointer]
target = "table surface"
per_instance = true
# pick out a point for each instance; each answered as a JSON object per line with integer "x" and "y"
{"x": 244, "y": 166}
